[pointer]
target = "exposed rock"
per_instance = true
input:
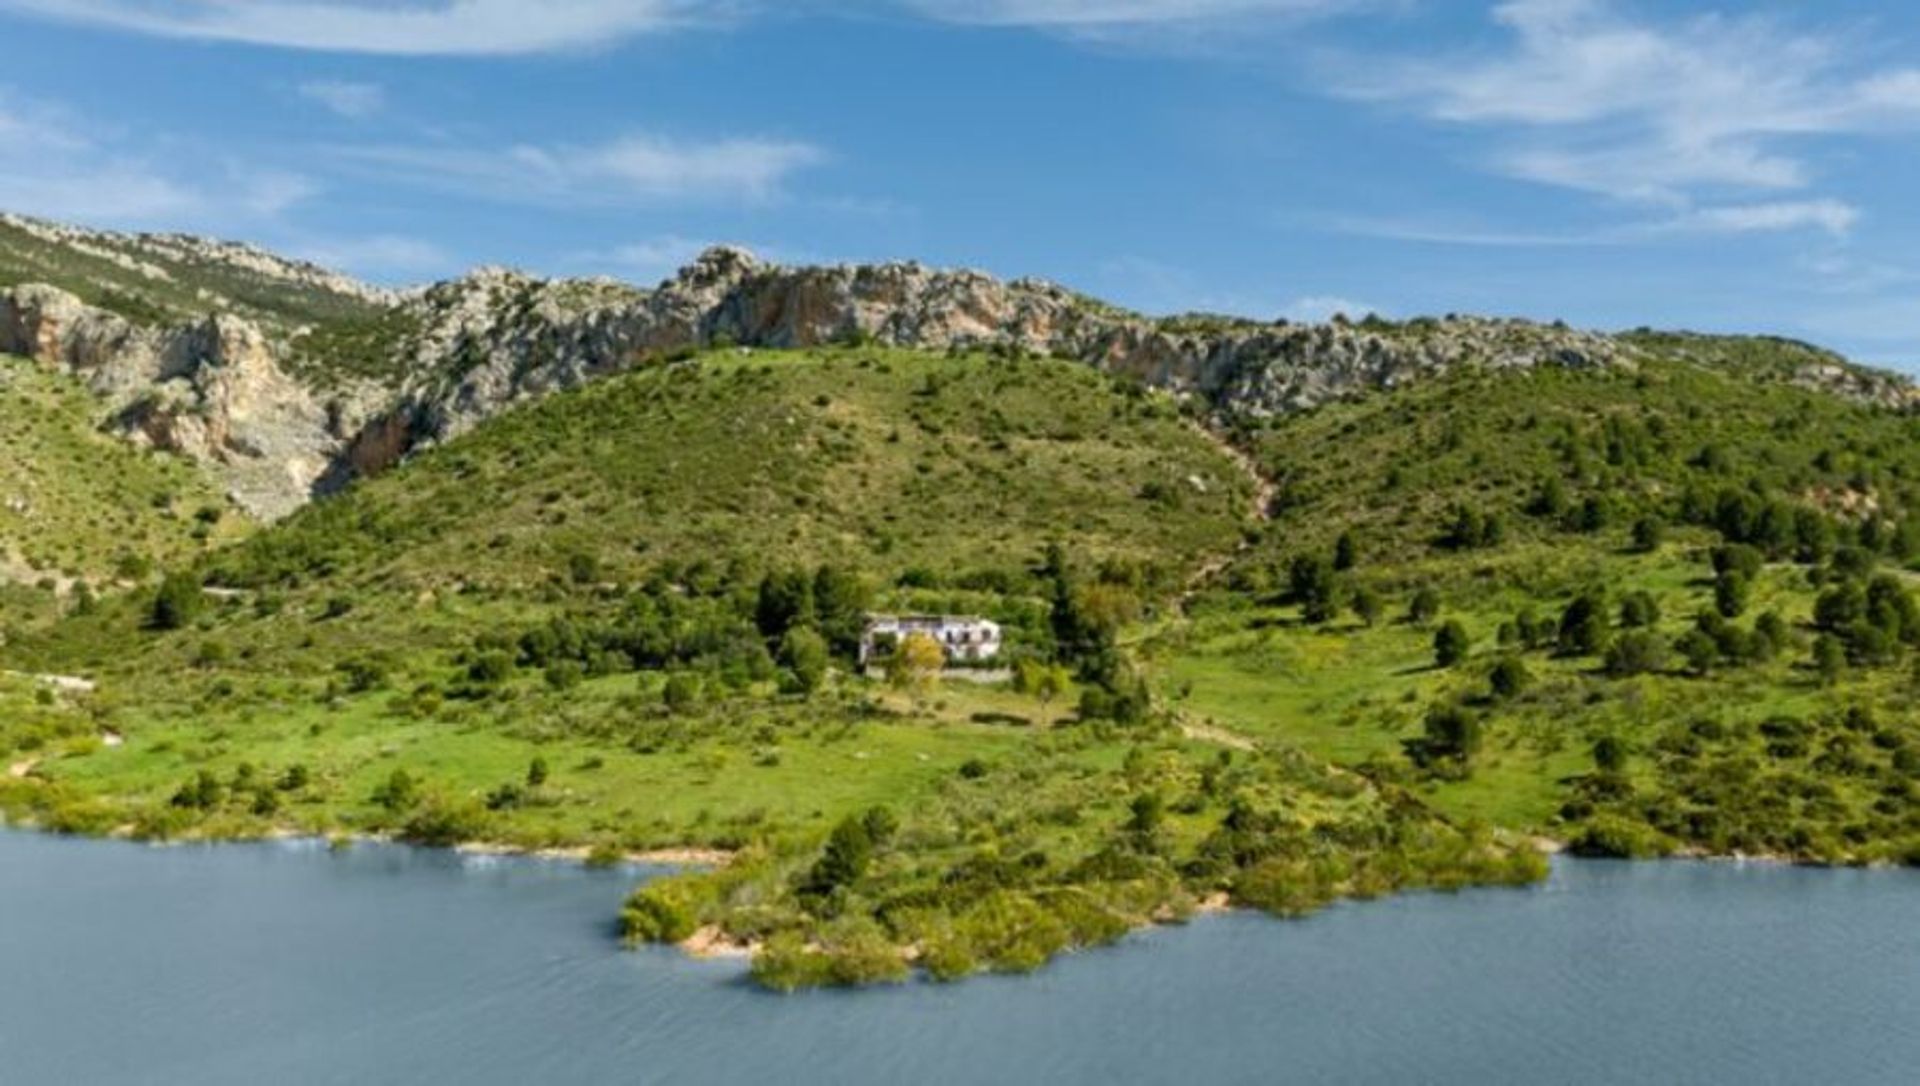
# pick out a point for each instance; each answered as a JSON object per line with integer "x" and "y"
{"x": 211, "y": 390}
{"x": 220, "y": 389}
{"x": 497, "y": 337}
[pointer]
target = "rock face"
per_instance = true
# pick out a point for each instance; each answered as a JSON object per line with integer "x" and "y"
{"x": 211, "y": 390}
{"x": 222, "y": 389}
{"x": 513, "y": 337}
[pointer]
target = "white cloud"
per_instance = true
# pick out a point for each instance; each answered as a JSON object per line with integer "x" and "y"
{"x": 1098, "y": 13}
{"x": 60, "y": 165}
{"x": 354, "y": 100}
{"x": 1657, "y": 112}
{"x": 1832, "y": 216}
{"x": 408, "y": 27}
{"x": 638, "y": 167}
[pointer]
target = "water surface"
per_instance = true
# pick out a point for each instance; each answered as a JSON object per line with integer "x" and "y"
{"x": 285, "y": 963}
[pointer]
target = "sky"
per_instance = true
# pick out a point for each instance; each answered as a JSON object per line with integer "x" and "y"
{"x": 1718, "y": 166}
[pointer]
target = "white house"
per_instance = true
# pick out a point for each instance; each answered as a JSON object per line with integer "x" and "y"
{"x": 962, "y": 637}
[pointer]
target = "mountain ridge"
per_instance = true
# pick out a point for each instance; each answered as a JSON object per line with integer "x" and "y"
{"x": 288, "y": 400}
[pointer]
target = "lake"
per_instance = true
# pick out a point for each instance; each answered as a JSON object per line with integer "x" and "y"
{"x": 285, "y": 963}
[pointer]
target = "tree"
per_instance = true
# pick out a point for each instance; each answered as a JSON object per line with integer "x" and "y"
{"x": 916, "y": 662}
{"x": 1636, "y": 652}
{"x": 177, "y": 603}
{"x": 1731, "y": 590}
{"x": 536, "y": 772}
{"x": 1509, "y": 677}
{"x": 1648, "y": 534}
{"x": 1368, "y": 605}
{"x": 1469, "y": 528}
{"x": 1583, "y": 625}
{"x": 1610, "y": 754}
{"x": 841, "y": 599}
{"x": 398, "y": 792}
{"x": 848, "y": 852}
{"x": 1700, "y": 650}
{"x": 1346, "y": 552}
{"x": 785, "y": 600}
{"x": 490, "y": 668}
{"x": 1829, "y": 659}
{"x": 1639, "y": 610}
{"x": 1451, "y": 732}
{"x": 1310, "y": 582}
{"x": 1424, "y": 607}
{"x": 805, "y": 654}
{"x": 1451, "y": 644}
{"x": 1145, "y": 813}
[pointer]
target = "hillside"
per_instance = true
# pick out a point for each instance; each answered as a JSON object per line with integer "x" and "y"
{"x": 922, "y": 470}
{"x": 286, "y": 381}
{"x": 79, "y": 508}
{"x": 157, "y": 279}
{"x": 1740, "y": 549}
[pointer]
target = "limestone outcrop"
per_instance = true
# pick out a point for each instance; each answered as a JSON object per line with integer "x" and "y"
{"x": 246, "y": 395}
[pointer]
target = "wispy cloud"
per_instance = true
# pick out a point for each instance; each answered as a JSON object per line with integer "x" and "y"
{"x": 634, "y": 168}
{"x": 348, "y": 99}
{"x": 406, "y": 27}
{"x": 62, "y": 165}
{"x": 1675, "y": 112}
{"x": 1833, "y": 216}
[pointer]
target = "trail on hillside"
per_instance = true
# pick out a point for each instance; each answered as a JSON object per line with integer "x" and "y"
{"x": 1264, "y": 490}
{"x": 1260, "y": 513}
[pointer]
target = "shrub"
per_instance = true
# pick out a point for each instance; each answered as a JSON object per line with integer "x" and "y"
{"x": 177, "y": 603}
{"x": 1451, "y": 644}
{"x": 1636, "y": 652}
{"x": 1509, "y": 677}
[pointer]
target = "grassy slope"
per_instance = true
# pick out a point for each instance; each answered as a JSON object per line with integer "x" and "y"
{"x": 76, "y": 504}
{"x": 880, "y": 461}
{"x": 101, "y": 278}
{"x": 884, "y": 462}
{"x": 1390, "y": 469}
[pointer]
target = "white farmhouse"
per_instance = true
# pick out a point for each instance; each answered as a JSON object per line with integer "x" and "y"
{"x": 962, "y": 637}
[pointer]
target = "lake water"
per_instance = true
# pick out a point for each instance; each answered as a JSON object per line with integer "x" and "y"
{"x": 285, "y": 963}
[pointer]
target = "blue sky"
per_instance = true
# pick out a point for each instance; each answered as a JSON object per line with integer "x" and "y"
{"x": 1718, "y": 166}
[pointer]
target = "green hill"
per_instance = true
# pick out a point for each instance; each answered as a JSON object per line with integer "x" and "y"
{"x": 77, "y": 506}
{"x": 1765, "y": 709}
{"x": 167, "y": 278}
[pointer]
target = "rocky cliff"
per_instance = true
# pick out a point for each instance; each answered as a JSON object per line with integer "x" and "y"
{"x": 247, "y": 395}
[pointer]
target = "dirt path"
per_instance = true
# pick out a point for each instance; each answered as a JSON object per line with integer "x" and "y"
{"x": 1262, "y": 510}
{"x": 1214, "y": 734}
{"x": 16, "y": 570}
{"x": 19, "y": 770}
{"x": 66, "y": 684}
